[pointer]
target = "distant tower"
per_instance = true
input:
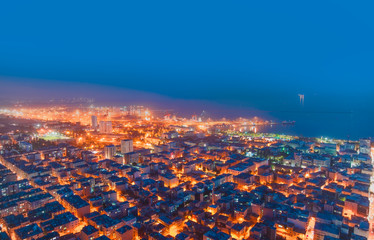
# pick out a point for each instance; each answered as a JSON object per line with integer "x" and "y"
{"x": 194, "y": 118}
{"x": 167, "y": 116}
{"x": 204, "y": 116}
{"x": 301, "y": 96}
{"x": 94, "y": 122}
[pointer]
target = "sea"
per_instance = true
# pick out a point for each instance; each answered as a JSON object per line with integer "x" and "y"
{"x": 336, "y": 125}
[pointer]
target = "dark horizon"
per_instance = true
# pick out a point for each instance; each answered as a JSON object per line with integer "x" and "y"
{"x": 246, "y": 54}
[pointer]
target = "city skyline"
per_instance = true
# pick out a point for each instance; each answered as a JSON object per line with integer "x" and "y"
{"x": 78, "y": 171}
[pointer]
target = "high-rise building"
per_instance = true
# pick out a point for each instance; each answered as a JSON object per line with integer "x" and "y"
{"x": 105, "y": 127}
{"x": 347, "y": 146}
{"x": 140, "y": 111}
{"x": 109, "y": 151}
{"x": 94, "y": 122}
{"x": 132, "y": 110}
{"x": 365, "y": 146}
{"x": 127, "y": 146}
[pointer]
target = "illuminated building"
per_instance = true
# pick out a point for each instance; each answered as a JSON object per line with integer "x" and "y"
{"x": 109, "y": 151}
{"x": 107, "y": 225}
{"x": 216, "y": 235}
{"x": 62, "y": 223}
{"x": 321, "y": 230}
{"x": 126, "y": 146}
{"x": 32, "y": 231}
{"x": 357, "y": 205}
{"x": 94, "y": 122}
{"x": 106, "y": 127}
{"x": 125, "y": 233}
{"x": 89, "y": 232}
{"x": 26, "y": 146}
{"x": 170, "y": 180}
{"x": 76, "y": 205}
{"x": 365, "y": 146}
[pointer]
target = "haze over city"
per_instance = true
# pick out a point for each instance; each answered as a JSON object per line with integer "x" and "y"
{"x": 256, "y": 55}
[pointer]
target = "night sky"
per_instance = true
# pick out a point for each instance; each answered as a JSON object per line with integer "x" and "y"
{"x": 258, "y": 54}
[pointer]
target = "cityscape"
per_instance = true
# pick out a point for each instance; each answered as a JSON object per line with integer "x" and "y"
{"x": 187, "y": 120}
{"x": 107, "y": 172}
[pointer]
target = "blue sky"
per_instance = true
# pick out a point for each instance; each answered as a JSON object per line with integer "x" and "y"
{"x": 259, "y": 54}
